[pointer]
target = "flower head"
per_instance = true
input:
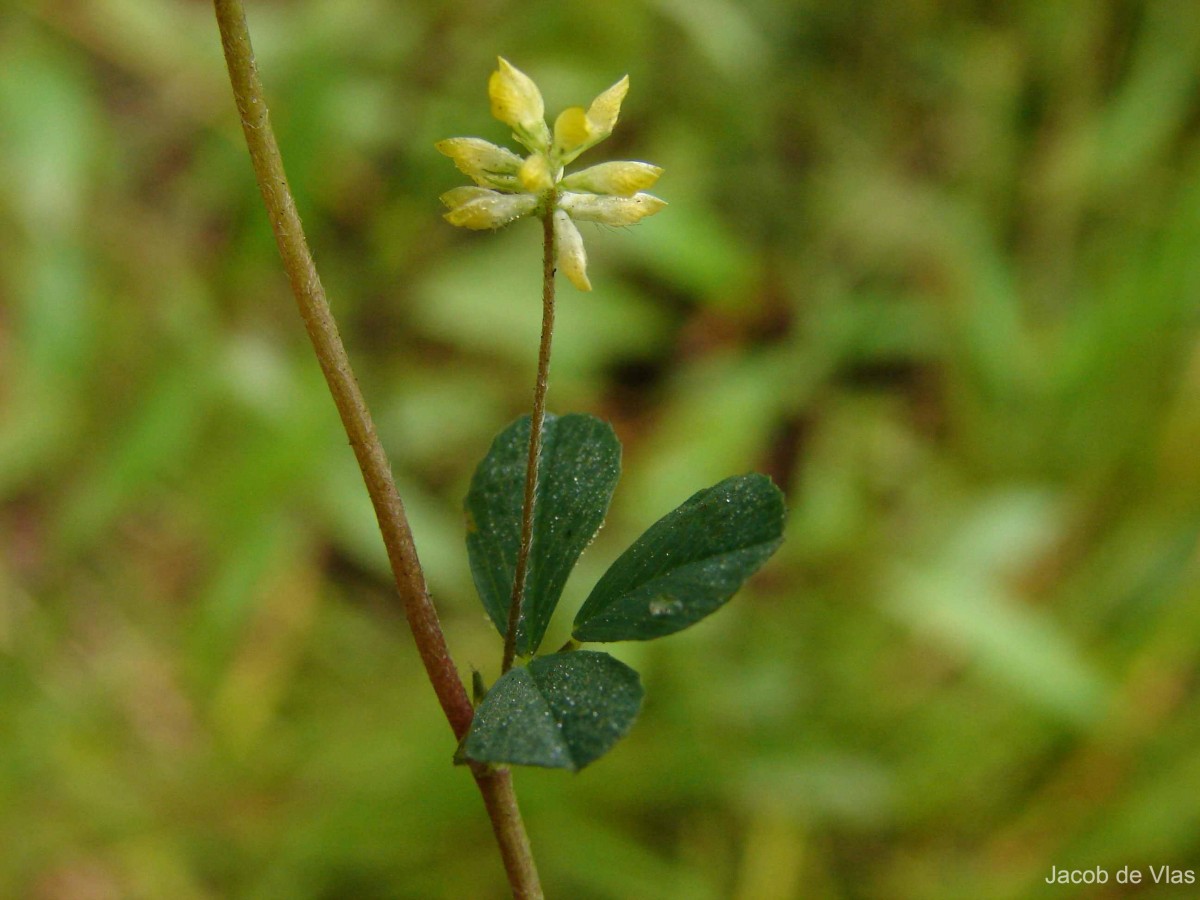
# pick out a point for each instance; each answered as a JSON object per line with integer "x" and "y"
{"x": 508, "y": 187}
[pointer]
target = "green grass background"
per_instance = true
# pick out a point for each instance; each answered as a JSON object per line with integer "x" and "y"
{"x": 934, "y": 267}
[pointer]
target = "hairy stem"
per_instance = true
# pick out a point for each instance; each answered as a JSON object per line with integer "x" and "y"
{"x": 537, "y": 420}
{"x": 495, "y": 785}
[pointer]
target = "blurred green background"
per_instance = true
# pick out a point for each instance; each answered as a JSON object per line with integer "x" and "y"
{"x": 934, "y": 267}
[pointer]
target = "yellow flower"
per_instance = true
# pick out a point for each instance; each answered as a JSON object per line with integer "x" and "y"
{"x": 485, "y": 164}
{"x": 535, "y": 174}
{"x": 517, "y": 102}
{"x": 571, "y": 259}
{"x": 576, "y": 130}
{"x": 479, "y": 208}
{"x": 624, "y": 179}
{"x": 509, "y": 187}
{"x": 609, "y": 210}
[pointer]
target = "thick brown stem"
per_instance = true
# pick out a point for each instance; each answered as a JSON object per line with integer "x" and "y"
{"x": 323, "y": 332}
{"x": 495, "y": 786}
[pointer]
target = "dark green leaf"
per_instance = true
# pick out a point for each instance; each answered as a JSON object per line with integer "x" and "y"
{"x": 688, "y": 564}
{"x": 561, "y": 711}
{"x": 580, "y": 464}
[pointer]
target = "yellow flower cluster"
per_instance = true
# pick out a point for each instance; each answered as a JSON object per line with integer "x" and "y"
{"x": 508, "y": 187}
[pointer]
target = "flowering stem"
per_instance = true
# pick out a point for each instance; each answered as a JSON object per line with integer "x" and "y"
{"x": 494, "y": 784}
{"x": 537, "y": 420}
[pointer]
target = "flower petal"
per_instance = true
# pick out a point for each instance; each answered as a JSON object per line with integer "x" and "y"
{"x": 483, "y": 162}
{"x": 573, "y": 132}
{"x": 571, "y": 258}
{"x": 576, "y": 130}
{"x": 621, "y": 178}
{"x": 517, "y": 102}
{"x": 535, "y": 175}
{"x": 479, "y": 208}
{"x": 606, "y": 108}
{"x": 456, "y": 197}
{"x": 610, "y": 210}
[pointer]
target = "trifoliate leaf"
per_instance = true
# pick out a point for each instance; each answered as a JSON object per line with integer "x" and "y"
{"x": 561, "y": 712}
{"x": 580, "y": 464}
{"x": 686, "y": 565}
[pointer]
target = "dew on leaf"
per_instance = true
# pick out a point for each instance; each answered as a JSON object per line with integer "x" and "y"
{"x": 665, "y": 606}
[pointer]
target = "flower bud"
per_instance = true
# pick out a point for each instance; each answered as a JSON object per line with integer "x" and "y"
{"x": 572, "y": 259}
{"x": 483, "y": 162}
{"x": 479, "y": 208}
{"x": 517, "y": 102}
{"x": 610, "y": 210}
{"x": 621, "y": 178}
